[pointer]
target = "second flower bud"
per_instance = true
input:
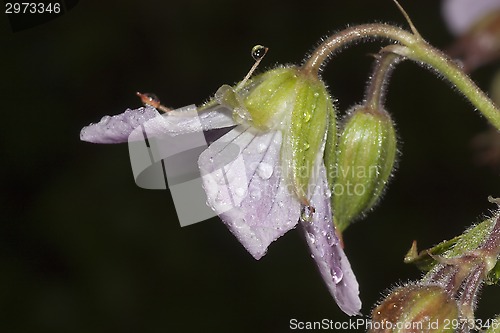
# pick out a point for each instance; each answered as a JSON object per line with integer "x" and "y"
{"x": 366, "y": 153}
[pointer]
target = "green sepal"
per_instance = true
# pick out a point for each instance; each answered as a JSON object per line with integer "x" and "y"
{"x": 330, "y": 156}
{"x": 308, "y": 124}
{"x": 228, "y": 97}
{"x": 270, "y": 96}
{"x": 469, "y": 241}
{"x": 423, "y": 259}
{"x": 494, "y": 276}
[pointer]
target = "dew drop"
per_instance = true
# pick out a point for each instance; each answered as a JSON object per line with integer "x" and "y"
{"x": 220, "y": 179}
{"x": 255, "y": 194}
{"x": 337, "y": 274}
{"x": 311, "y": 238}
{"x": 238, "y": 223}
{"x": 306, "y": 213}
{"x": 240, "y": 191}
{"x": 261, "y": 148}
{"x": 258, "y": 52}
{"x": 331, "y": 240}
{"x": 307, "y": 116}
{"x": 265, "y": 170}
{"x": 321, "y": 251}
{"x": 306, "y": 145}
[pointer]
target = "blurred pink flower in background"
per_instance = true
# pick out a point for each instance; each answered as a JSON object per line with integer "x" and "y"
{"x": 476, "y": 24}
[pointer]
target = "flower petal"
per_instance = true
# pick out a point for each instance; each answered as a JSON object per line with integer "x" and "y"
{"x": 460, "y": 15}
{"x": 327, "y": 250}
{"x": 243, "y": 181}
{"x": 117, "y": 129}
{"x": 189, "y": 119}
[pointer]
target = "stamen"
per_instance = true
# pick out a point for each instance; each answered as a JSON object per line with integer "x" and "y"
{"x": 258, "y": 53}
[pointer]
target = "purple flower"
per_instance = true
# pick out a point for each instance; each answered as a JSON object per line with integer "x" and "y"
{"x": 249, "y": 174}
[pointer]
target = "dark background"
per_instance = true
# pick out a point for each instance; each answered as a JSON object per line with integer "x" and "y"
{"x": 83, "y": 249}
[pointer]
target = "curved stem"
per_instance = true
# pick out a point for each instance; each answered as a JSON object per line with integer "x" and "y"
{"x": 428, "y": 55}
{"x": 339, "y": 40}
{"x": 376, "y": 89}
{"x": 416, "y": 49}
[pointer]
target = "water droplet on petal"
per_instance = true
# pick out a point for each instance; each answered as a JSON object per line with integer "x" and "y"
{"x": 240, "y": 191}
{"x": 218, "y": 198}
{"x": 261, "y": 148}
{"x": 337, "y": 274}
{"x": 306, "y": 213}
{"x": 265, "y": 170}
{"x": 321, "y": 251}
{"x": 311, "y": 238}
{"x": 238, "y": 223}
{"x": 331, "y": 240}
{"x": 255, "y": 194}
{"x": 220, "y": 179}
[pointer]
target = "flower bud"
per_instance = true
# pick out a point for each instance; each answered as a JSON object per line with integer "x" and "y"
{"x": 366, "y": 153}
{"x": 415, "y": 308}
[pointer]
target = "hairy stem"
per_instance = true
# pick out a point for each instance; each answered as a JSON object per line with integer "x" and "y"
{"x": 415, "y": 49}
{"x": 341, "y": 39}
{"x": 376, "y": 89}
